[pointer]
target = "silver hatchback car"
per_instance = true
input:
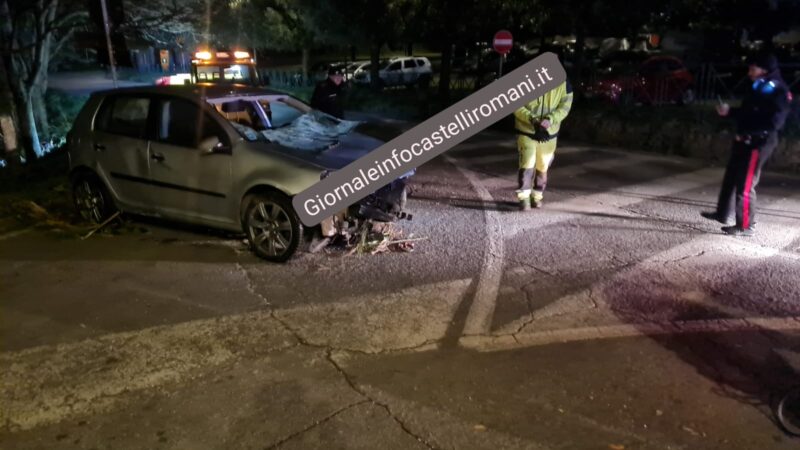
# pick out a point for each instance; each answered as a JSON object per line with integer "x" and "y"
{"x": 228, "y": 157}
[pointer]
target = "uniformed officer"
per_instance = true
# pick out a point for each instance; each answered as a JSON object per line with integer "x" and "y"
{"x": 537, "y": 125}
{"x": 762, "y": 114}
{"x": 327, "y": 95}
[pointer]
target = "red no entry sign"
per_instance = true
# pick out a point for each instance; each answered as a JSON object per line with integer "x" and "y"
{"x": 502, "y": 42}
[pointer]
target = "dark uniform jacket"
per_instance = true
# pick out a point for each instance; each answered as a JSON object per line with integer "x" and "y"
{"x": 327, "y": 98}
{"x": 764, "y": 108}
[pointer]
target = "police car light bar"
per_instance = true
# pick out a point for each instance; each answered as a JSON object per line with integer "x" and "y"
{"x": 241, "y": 55}
{"x": 203, "y": 55}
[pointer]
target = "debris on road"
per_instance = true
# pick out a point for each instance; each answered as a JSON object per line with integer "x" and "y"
{"x": 374, "y": 238}
{"x": 690, "y": 431}
{"x": 99, "y": 227}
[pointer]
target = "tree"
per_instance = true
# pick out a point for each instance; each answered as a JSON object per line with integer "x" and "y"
{"x": 447, "y": 23}
{"x": 348, "y": 22}
{"x": 32, "y": 33}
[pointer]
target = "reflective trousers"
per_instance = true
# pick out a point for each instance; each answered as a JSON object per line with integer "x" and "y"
{"x": 534, "y": 160}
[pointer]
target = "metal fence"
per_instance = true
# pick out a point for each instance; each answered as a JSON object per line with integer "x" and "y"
{"x": 287, "y": 78}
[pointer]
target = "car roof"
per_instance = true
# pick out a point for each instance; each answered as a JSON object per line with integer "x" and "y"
{"x": 401, "y": 58}
{"x": 200, "y": 90}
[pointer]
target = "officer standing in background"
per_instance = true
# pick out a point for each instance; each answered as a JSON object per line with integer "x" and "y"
{"x": 328, "y": 94}
{"x": 537, "y": 125}
{"x": 762, "y": 114}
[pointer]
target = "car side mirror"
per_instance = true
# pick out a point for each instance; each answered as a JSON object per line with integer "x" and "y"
{"x": 212, "y": 145}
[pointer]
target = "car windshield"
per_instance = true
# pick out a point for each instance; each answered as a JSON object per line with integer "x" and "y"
{"x": 283, "y": 120}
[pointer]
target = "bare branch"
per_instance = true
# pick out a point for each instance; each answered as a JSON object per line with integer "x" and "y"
{"x": 60, "y": 43}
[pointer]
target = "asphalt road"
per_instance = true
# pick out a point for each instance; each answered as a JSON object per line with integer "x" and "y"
{"x": 615, "y": 317}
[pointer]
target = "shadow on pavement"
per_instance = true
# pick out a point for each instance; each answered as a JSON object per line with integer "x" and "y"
{"x": 746, "y": 366}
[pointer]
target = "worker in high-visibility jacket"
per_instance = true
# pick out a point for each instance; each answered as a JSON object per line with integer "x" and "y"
{"x": 537, "y": 125}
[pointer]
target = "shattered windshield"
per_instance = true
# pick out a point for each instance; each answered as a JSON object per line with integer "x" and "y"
{"x": 285, "y": 121}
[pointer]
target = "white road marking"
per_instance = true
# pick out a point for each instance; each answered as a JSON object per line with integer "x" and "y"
{"x": 612, "y": 200}
{"x": 780, "y": 234}
{"x": 479, "y": 320}
{"x": 481, "y": 312}
{"x": 644, "y": 329}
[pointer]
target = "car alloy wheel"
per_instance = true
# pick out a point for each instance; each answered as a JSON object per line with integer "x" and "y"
{"x": 91, "y": 200}
{"x": 272, "y": 227}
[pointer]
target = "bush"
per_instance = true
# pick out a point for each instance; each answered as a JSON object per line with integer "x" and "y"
{"x": 61, "y": 111}
{"x": 695, "y": 131}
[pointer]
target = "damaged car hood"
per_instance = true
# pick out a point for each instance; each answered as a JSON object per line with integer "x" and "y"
{"x": 338, "y": 154}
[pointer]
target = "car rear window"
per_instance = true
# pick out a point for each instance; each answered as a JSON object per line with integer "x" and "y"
{"x": 409, "y": 63}
{"x": 124, "y": 115}
{"x": 421, "y": 62}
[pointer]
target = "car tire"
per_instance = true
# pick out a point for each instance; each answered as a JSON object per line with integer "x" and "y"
{"x": 272, "y": 227}
{"x": 91, "y": 198}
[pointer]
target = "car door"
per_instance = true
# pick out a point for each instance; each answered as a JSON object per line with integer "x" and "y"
{"x": 394, "y": 73}
{"x": 410, "y": 74}
{"x": 192, "y": 181}
{"x": 121, "y": 146}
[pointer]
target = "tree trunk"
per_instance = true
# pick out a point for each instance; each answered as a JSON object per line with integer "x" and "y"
{"x": 29, "y": 138}
{"x": 40, "y": 112}
{"x": 374, "y": 69}
{"x": 444, "y": 72}
{"x": 409, "y": 49}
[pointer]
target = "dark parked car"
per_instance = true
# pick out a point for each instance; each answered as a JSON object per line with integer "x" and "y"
{"x": 659, "y": 79}
{"x": 229, "y": 157}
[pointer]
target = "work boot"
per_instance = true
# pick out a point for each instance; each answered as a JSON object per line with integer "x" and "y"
{"x": 713, "y": 215}
{"x": 525, "y": 204}
{"x": 738, "y": 231}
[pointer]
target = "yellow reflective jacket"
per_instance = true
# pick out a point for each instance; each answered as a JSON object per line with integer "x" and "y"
{"x": 553, "y": 106}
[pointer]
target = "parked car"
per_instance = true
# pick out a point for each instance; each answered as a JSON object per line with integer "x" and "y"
{"x": 403, "y": 71}
{"x": 659, "y": 79}
{"x": 319, "y": 71}
{"x": 355, "y": 68}
{"x": 229, "y": 157}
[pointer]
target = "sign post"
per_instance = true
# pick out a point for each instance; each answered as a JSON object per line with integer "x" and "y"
{"x": 502, "y": 43}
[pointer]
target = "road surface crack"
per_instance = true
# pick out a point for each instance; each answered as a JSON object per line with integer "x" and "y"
{"x": 316, "y": 423}
{"x": 683, "y": 258}
{"x": 385, "y": 406}
{"x": 250, "y": 284}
